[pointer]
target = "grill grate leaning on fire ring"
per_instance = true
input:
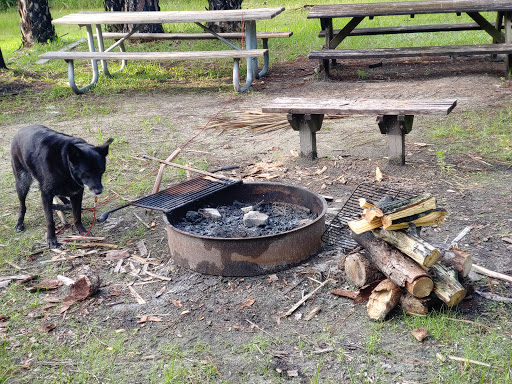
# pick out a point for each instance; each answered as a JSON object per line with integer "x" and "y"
{"x": 184, "y": 193}
{"x": 338, "y": 232}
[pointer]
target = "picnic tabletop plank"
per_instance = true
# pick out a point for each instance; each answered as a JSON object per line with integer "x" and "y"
{"x": 407, "y": 8}
{"x": 296, "y": 105}
{"x": 84, "y": 18}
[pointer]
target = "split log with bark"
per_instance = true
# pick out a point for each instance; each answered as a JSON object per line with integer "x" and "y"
{"x": 400, "y": 269}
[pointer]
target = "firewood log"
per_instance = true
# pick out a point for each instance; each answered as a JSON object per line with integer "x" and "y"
{"x": 460, "y": 260}
{"x": 418, "y": 207}
{"x": 413, "y": 246}
{"x": 446, "y": 285}
{"x": 360, "y": 271}
{"x": 430, "y": 217}
{"x": 399, "y": 268}
{"x": 414, "y": 305}
{"x": 383, "y": 299}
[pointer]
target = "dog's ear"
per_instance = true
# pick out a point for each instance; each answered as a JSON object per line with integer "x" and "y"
{"x": 74, "y": 153}
{"x": 103, "y": 148}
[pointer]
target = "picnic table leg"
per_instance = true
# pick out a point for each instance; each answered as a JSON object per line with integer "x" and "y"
{"x": 251, "y": 43}
{"x": 264, "y": 71}
{"x": 508, "y": 40}
{"x": 95, "y": 72}
{"x": 326, "y": 24}
{"x": 395, "y": 128}
{"x": 307, "y": 125}
{"x": 236, "y": 77}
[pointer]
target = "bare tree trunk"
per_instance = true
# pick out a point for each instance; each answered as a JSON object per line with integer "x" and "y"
{"x": 229, "y": 26}
{"x": 133, "y": 6}
{"x": 36, "y": 22}
{"x": 2, "y": 62}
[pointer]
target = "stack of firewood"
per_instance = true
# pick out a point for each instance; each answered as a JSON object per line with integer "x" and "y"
{"x": 412, "y": 272}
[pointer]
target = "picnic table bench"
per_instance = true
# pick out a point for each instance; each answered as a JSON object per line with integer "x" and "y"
{"x": 394, "y": 118}
{"x": 250, "y": 51}
{"x": 500, "y": 31}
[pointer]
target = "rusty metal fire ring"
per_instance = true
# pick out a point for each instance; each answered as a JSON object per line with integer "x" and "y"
{"x": 249, "y": 256}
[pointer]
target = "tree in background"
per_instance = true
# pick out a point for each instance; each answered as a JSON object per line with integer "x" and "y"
{"x": 2, "y": 62}
{"x": 133, "y": 6}
{"x": 36, "y": 22}
{"x": 230, "y": 26}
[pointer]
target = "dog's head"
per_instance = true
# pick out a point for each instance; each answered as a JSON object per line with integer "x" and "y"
{"x": 87, "y": 164}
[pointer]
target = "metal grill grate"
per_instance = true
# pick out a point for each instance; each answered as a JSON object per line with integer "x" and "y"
{"x": 184, "y": 193}
{"x": 338, "y": 232}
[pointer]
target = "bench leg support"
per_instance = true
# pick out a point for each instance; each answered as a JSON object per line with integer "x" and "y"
{"x": 307, "y": 125}
{"x": 395, "y": 128}
{"x": 264, "y": 70}
{"x": 71, "y": 77}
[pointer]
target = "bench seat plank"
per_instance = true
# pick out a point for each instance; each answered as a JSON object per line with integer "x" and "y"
{"x": 194, "y": 36}
{"x": 296, "y": 105}
{"x": 191, "y": 55}
{"x": 483, "y": 49}
{"x": 411, "y": 29}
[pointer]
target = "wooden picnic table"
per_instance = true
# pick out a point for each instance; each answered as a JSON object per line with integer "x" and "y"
{"x": 249, "y": 17}
{"x": 500, "y": 31}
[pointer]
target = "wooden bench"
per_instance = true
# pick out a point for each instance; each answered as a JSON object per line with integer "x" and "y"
{"x": 236, "y": 55}
{"x": 394, "y": 118}
{"x": 448, "y": 50}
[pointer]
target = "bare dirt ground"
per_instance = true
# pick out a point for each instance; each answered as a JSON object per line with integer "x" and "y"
{"x": 235, "y": 320}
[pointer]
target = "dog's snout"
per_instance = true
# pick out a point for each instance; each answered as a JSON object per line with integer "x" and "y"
{"x": 97, "y": 190}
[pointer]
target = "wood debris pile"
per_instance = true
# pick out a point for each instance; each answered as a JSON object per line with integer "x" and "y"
{"x": 404, "y": 269}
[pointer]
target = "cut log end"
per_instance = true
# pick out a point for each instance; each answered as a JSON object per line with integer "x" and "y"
{"x": 420, "y": 287}
{"x": 360, "y": 271}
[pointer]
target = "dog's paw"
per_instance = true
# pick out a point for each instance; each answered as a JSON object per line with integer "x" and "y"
{"x": 19, "y": 227}
{"x": 53, "y": 244}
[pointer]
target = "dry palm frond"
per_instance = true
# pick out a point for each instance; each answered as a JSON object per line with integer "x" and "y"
{"x": 257, "y": 122}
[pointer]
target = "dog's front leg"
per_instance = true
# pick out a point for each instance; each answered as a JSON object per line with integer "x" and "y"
{"x": 76, "y": 208}
{"x": 51, "y": 238}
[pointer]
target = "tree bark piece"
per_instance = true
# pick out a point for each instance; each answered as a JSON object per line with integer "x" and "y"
{"x": 36, "y": 22}
{"x": 414, "y": 305}
{"x": 383, "y": 299}
{"x": 360, "y": 271}
{"x": 415, "y": 247}
{"x": 462, "y": 261}
{"x": 446, "y": 285}
{"x": 399, "y": 268}
{"x": 84, "y": 287}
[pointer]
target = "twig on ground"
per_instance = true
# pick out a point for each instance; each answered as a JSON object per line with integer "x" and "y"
{"x": 305, "y": 298}
{"x": 488, "y": 272}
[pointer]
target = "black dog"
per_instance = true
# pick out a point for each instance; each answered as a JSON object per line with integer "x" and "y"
{"x": 62, "y": 164}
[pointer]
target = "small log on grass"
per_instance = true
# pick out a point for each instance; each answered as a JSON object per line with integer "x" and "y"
{"x": 383, "y": 299}
{"x": 446, "y": 285}
{"x": 413, "y": 246}
{"x": 459, "y": 259}
{"x": 360, "y": 271}
{"x": 399, "y": 268}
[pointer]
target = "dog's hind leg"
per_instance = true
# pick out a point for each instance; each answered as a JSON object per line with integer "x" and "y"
{"x": 23, "y": 182}
{"x": 76, "y": 208}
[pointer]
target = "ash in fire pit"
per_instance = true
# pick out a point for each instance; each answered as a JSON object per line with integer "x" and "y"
{"x": 240, "y": 220}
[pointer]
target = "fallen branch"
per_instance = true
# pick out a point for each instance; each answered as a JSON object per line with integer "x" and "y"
{"x": 488, "y": 272}
{"x": 494, "y": 297}
{"x": 469, "y": 361}
{"x": 304, "y": 299}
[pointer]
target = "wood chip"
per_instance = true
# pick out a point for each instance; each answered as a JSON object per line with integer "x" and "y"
{"x": 420, "y": 333}
{"x": 134, "y": 293}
